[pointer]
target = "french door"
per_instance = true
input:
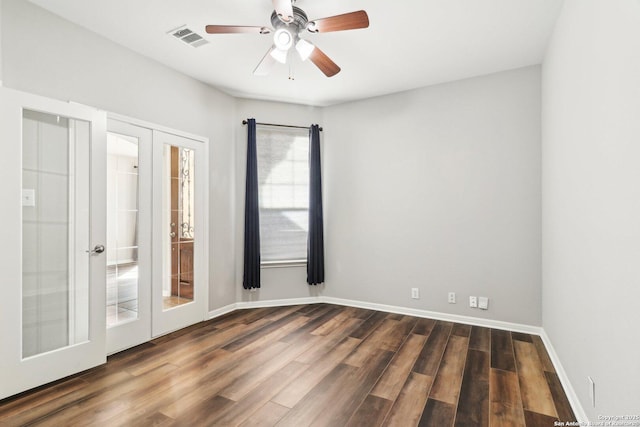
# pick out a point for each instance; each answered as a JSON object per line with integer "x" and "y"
{"x": 104, "y": 237}
{"x": 128, "y": 252}
{"x": 52, "y": 175}
{"x": 156, "y": 233}
{"x": 180, "y": 233}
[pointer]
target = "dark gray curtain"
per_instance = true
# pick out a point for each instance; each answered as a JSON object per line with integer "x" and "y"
{"x": 315, "y": 242}
{"x": 251, "y": 278}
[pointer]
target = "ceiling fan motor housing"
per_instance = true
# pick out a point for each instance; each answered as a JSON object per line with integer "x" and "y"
{"x": 299, "y": 23}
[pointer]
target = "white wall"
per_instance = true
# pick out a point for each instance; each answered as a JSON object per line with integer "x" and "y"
{"x": 439, "y": 189}
{"x": 46, "y": 55}
{"x": 0, "y": 41}
{"x": 591, "y": 200}
{"x": 277, "y": 283}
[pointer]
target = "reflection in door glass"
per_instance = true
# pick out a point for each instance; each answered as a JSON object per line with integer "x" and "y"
{"x": 55, "y": 232}
{"x": 122, "y": 228}
{"x": 178, "y": 207}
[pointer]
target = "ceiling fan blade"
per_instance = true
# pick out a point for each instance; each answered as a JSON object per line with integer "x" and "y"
{"x": 235, "y": 29}
{"x": 267, "y": 63}
{"x": 322, "y": 61}
{"x": 347, "y": 21}
{"x": 284, "y": 9}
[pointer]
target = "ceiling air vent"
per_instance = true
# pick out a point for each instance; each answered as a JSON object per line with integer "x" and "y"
{"x": 188, "y": 36}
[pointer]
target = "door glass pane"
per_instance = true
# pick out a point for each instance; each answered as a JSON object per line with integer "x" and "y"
{"x": 178, "y": 214}
{"x": 55, "y": 232}
{"x": 122, "y": 228}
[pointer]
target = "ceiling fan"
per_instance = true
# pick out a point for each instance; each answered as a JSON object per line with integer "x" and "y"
{"x": 289, "y": 23}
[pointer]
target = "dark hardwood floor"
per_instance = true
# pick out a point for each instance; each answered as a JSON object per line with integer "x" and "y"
{"x": 319, "y": 365}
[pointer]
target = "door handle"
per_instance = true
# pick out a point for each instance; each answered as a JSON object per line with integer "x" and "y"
{"x": 97, "y": 250}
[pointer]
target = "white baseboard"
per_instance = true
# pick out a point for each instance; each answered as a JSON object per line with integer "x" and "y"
{"x": 475, "y": 321}
{"x": 468, "y": 320}
{"x": 279, "y": 302}
{"x": 222, "y": 310}
{"x": 578, "y": 410}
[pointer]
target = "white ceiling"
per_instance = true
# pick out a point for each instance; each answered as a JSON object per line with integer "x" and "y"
{"x": 409, "y": 44}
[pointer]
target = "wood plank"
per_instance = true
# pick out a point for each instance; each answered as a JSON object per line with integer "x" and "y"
{"x": 407, "y": 409}
{"x": 352, "y": 393}
{"x": 274, "y": 328}
{"x": 369, "y": 325}
{"x": 203, "y": 413}
{"x": 506, "y": 404}
{"x": 502, "y": 350}
{"x": 560, "y": 401}
{"x": 316, "y": 353}
{"x": 371, "y": 412}
{"x": 424, "y": 327}
{"x": 461, "y": 330}
{"x": 61, "y": 404}
{"x": 379, "y": 339}
{"x": 294, "y": 392}
{"x": 332, "y": 324}
{"x": 437, "y": 414}
{"x": 28, "y": 401}
{"x": 395, "y": 376}
{"x": 321, "y": 396}
{"x": 536, "y": 395}
{"x": 521, "y": 337}
{"x": 429, "y": 358}
{"x": 156, "y": 419}
{"x": 259, "y": 396}
{"x": 446, "y": 387}
{"x": 533, "y": 419}
{"x": 242, "y": 385}
{"x": 112, "y": 401}
{"x": 268, "y": 415}
{"x": 220, "y": 375}
{"x": 362, "y": 313}
{"x": 473, "y": 404}
{"x": 480, "y": 338}
{"x": 547, "y": 365}
{"x": 322, "y": 316}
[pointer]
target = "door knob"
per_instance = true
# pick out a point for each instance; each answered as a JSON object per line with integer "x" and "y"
{"x": 97, "y": 250}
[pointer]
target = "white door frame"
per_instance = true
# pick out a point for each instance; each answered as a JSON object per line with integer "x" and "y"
{"x": 19, "y": 374}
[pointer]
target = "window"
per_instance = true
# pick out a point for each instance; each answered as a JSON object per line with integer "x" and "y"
{"x": 283, "y": 191}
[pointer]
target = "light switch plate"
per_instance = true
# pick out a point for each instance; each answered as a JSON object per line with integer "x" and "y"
{"x": 28, "y": 197}
{"x": 483, "y": 303}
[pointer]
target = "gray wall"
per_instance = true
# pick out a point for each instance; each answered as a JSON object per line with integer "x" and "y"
{"x": 49, "y": 56}
{"x": 591, "y": 194}
{"x": 439, "y": 189}
{"x": 1, "y": 40}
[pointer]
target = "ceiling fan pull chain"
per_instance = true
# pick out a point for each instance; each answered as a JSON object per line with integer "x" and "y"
{"x": 291, "y": 70}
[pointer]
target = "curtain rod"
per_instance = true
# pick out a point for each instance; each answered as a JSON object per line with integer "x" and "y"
{"x": 244, "y": 122}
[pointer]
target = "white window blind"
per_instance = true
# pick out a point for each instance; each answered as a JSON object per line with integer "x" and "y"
{"x": 283, "y": 190}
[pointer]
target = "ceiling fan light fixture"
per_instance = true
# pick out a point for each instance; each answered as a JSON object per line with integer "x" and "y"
{"x": 304, "y": 49}
{"x": 283, "y": 39}
{"x": 279, "y": 55}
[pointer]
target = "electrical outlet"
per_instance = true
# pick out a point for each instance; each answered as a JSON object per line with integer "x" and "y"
{"x": 415, "y": 293}
{"x": 452, "y": 298}
{"x": 483, "y": 303}
{"x": 473, "y": 302}
{"x": 592, "y": 391}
